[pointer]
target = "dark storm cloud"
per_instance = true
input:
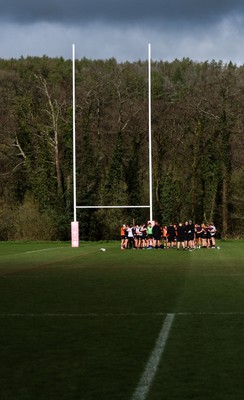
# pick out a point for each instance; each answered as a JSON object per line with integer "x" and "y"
{"x": 198, "y": 29}
{"x": 114, "y": 12}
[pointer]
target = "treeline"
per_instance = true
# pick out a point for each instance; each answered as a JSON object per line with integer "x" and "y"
{"x": 197, "y": 145}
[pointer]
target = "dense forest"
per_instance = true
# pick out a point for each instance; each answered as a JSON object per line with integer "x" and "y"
{"x": 197, "y": 145}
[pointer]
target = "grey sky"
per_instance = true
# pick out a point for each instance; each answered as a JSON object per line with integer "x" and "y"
{"x": 199, "y": 29}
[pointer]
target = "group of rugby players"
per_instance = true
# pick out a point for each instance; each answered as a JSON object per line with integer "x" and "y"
{"x": 186, "y": 236}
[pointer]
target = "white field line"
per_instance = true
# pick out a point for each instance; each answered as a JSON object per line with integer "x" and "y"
{"x": 116, "y": 315}
{"x": 49, "y": 249}
{"x": 153, "y": 362}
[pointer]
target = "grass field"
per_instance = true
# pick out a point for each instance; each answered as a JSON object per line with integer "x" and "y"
{"x": 121, "y": 325}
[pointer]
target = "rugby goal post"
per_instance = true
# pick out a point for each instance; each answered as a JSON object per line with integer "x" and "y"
{"x": 75, "y": 223}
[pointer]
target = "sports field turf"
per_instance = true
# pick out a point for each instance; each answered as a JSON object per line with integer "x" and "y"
{"x": 129, "y": 325}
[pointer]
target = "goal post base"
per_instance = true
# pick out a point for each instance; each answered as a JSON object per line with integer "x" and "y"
{"x": 74, "y": 234}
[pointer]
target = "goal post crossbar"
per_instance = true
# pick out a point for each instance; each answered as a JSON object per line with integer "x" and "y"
{"x": 112, "y": 207}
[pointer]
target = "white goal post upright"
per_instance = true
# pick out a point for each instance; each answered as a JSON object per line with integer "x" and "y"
{"x": 150, "y": 132}
{"x": 75, "y": 224}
